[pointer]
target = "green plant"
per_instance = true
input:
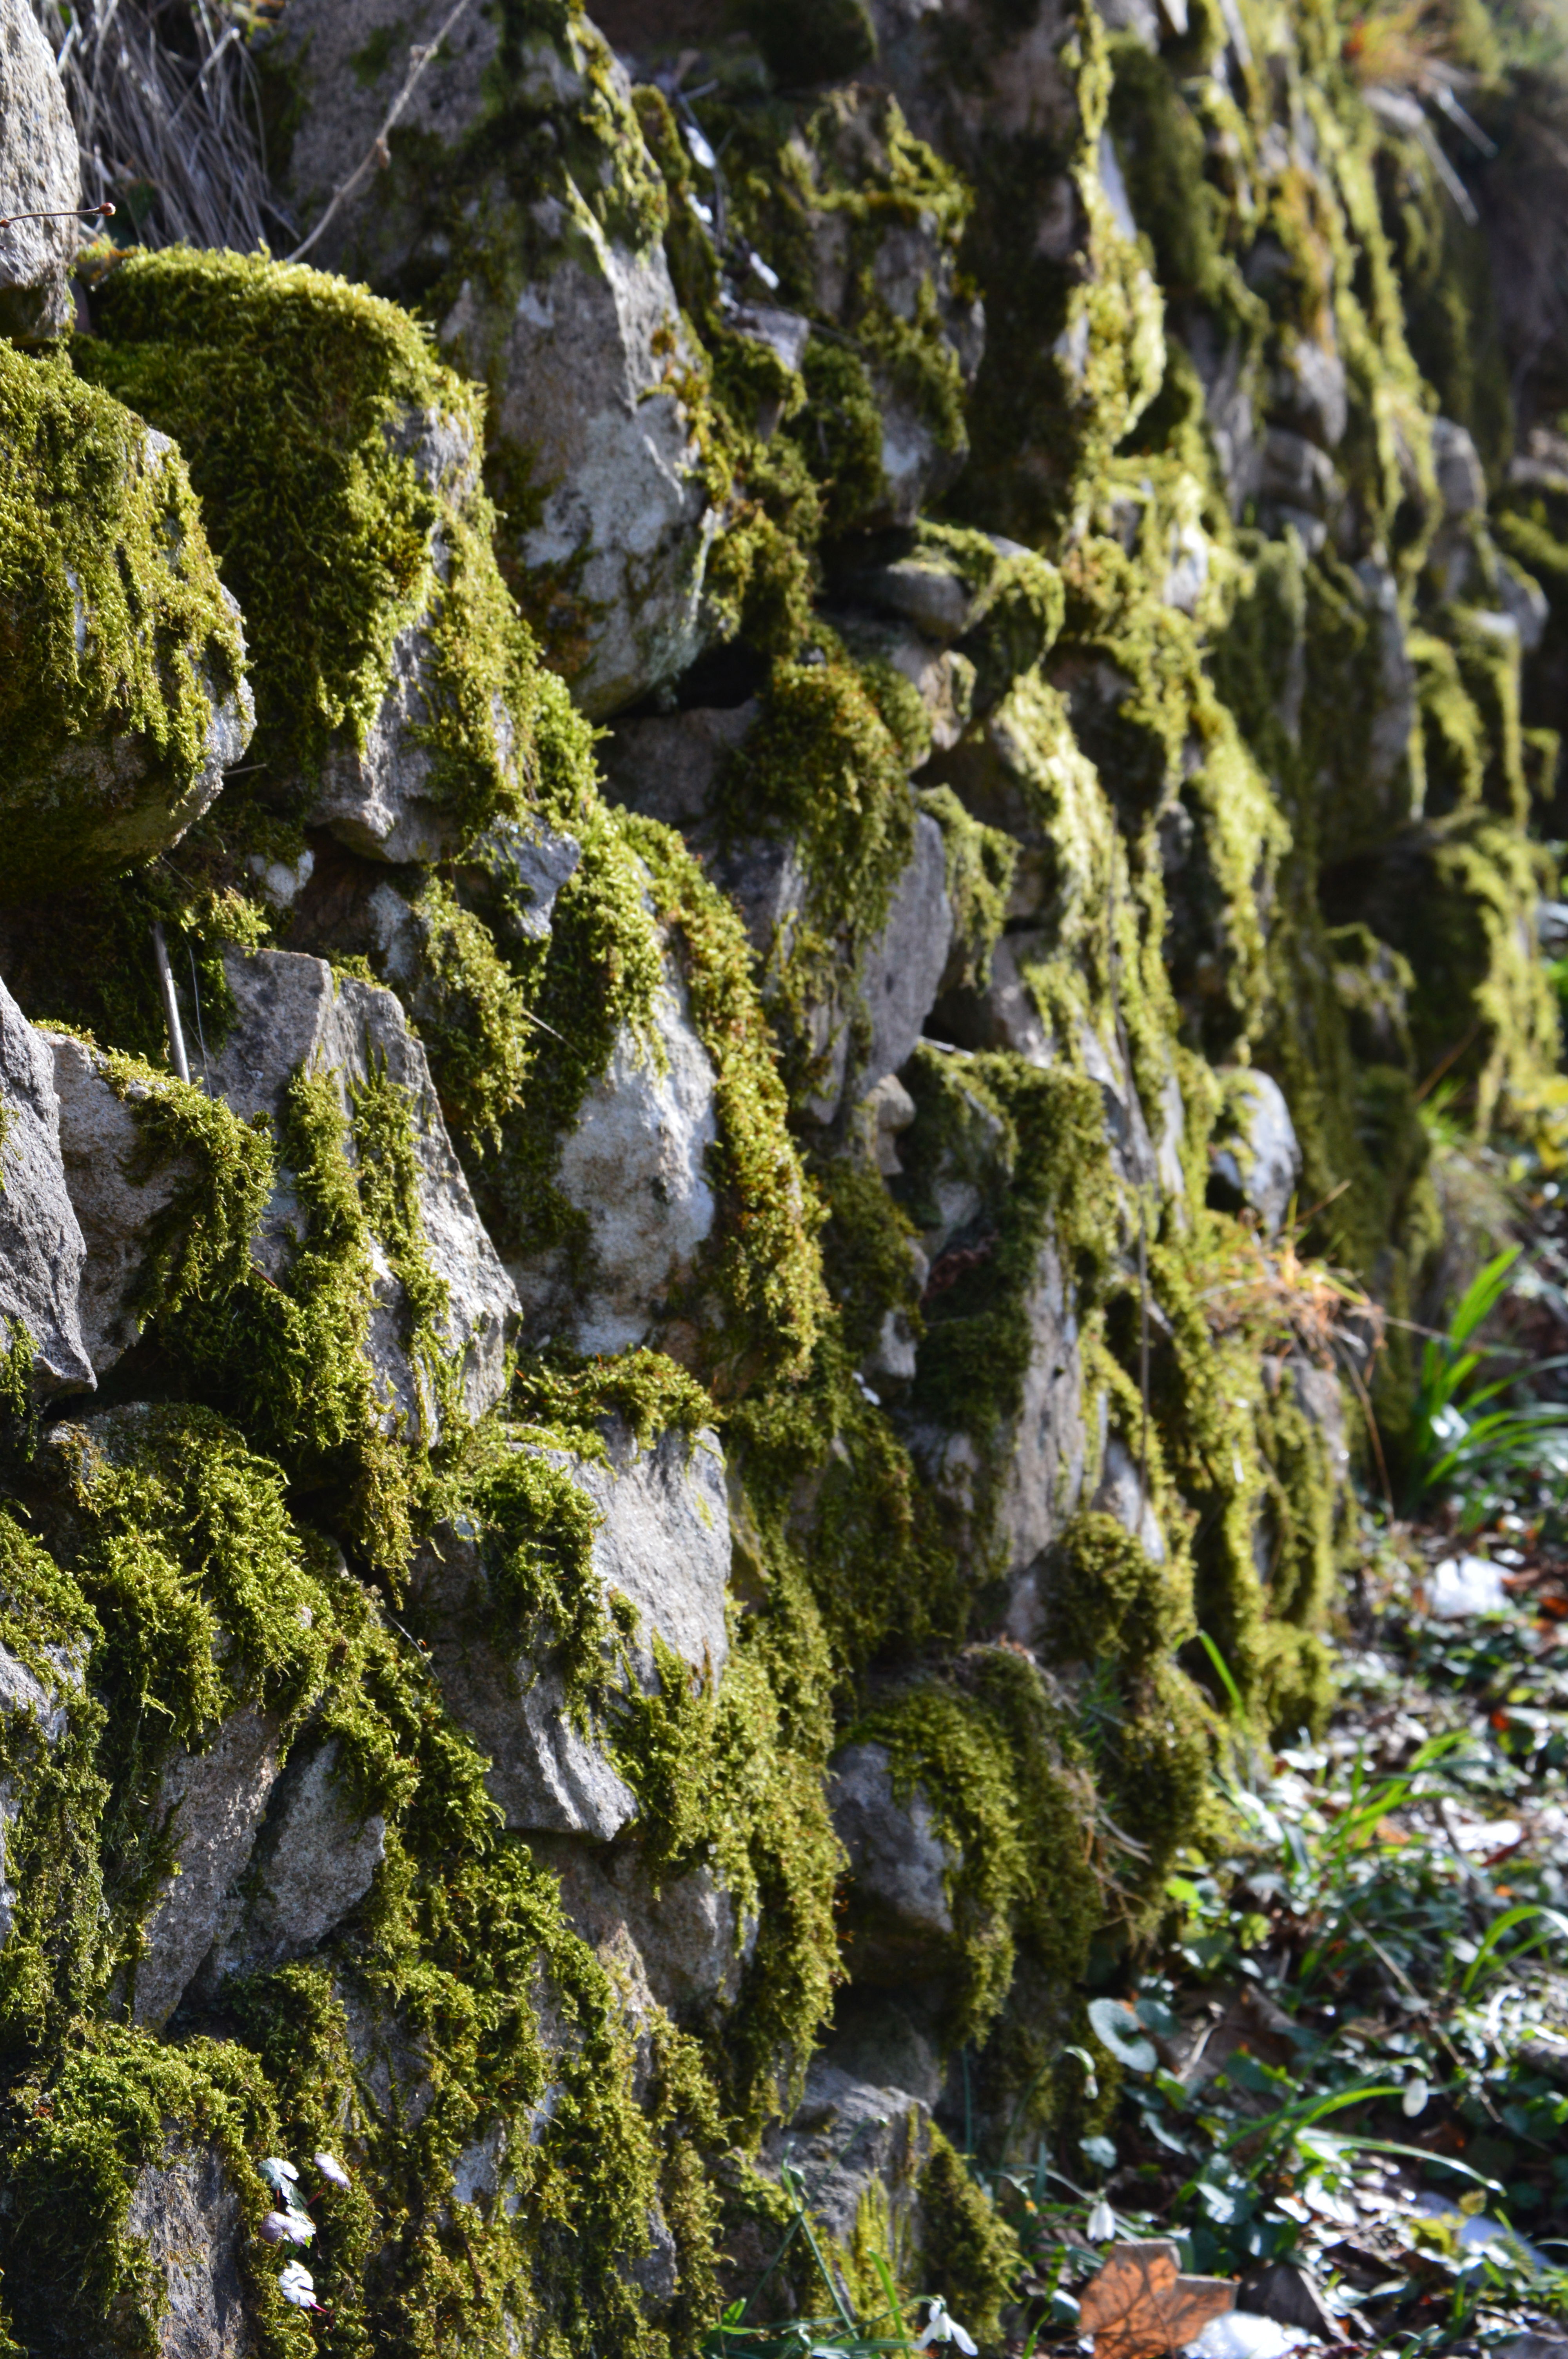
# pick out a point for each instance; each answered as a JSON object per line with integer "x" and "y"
{"x": 1468, "y": 1441}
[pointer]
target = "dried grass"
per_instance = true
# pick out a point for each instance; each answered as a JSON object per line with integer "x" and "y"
{"x": 164, "y": 97}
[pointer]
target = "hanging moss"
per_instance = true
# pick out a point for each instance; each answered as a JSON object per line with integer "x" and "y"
{"x": 822, "y": 767}
{"x": 119, "y": 641}
{"x": 1008, "y": 1795}
{"x": 299, "y": 402}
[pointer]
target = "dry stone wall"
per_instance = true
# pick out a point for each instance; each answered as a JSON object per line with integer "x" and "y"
{"x": 811, "y": 745}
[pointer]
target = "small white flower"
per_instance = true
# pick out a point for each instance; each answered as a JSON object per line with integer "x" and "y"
{"x": 331, "y": 2170}
{"x": 1413, "y": 2101}
{"x": 287, "y": 2227}
{"x": 1101, "y": 2224}
{"x": 940, "y": 2328}
{"x": 297, "y": 2285}
{"x": 702, "y": 153}
{"x": 765, "y": 272}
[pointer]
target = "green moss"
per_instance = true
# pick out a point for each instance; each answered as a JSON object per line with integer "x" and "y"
{"x": 1009, "y": 1795}
{"x": 1111, "y": 1598}
{"x": 53, "y": 1958}
{"x": 199, "y": 1244}
{"x": 297, "y": 400}
{"x": 866, "y": 1256}
{"x": 971, "y": 2257}
{"x": 116, "y": 629}
{"x": 822, "y": 767}
{"x": 762, "y": 1263}
{"x": 117, "y": 2104}
{"x": 979, "y": 1338}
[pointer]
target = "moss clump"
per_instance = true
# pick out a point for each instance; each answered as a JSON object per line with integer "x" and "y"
{"x": 822, "y": 767}
{"x": 289, "y": 1354}
{"x": 1051, "y": 1128}
{"x": 1109, "y": 1597}
{"x": 1008, "y": 1794}
{"x": 971, "y": 2257}
{"x": 78, "y": 2138}
{"x": 299, "y": 403}
{"x": 118, "y": 640}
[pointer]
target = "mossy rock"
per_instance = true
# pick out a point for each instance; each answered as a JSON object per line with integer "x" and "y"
{"x": 123, "y": 697}
{"x": 338, "y": 466}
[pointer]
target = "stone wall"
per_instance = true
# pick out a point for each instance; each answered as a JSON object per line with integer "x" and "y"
{"x": 827, "y": 731}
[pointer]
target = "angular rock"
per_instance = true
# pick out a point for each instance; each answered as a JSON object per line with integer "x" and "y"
{"x": 1123, "y": 1493}
{"x": 384, "y": 798}
{"x": 211, "y": 1803}
{"x": 899, "y": 1865}
{"x": 664, "y": 1544}
{"x": 110, "y": 760}
{"x": 293, "y": 1014}
{"x": 1261, "y": 1168}
{"x": 688, "y": 1949}
{"x": 1297, "y": 476}
{"x": 186, "y": 2212}
{"x": 668, "y": 765}
{"x": 635, "y": 1163}
{"x": 1461, "y": 479}
{"x": 900, "y": 969}
{"x": 100, "y": 1148}
{"x": 1020, "y": 1509}
{"x": 313, "y": 1862}
{"x": 42, "y": 1246}
{"x": 40, "y": 171}
{"x": 852, "y": 2140}
{"x": 1309, "y": 390}
{"x": 570, "y": 316}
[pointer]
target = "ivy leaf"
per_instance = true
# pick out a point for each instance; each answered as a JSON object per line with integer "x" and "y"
{"x": 1116, "y": 2025}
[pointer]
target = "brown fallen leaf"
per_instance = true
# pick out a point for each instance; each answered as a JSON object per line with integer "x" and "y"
{"x": 1140, "y": 2306}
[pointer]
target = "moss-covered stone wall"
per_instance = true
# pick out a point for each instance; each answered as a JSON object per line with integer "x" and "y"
{"x": 969, "y": 1014}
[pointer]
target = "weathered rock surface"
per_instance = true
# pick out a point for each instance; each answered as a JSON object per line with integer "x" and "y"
{"x": 668, "y": 765}
{"x": 1261, "y": 1164}
{"x": 850, "y": 2139}
{"x": 40, "y": 171}
{"x": 211, "y": 1803}
{"x": 689, "y": 1948}
{"x": 1040, "y": 1460}
{"x": 635, "y": 1163}
{"x": 313, "y": 1861}
{"x": 117, "y": 1193}
{"x": 664, "y": 1545}
{"x": 384, "y": 798}
{"x": 187, "y": 2212}
{"x": 293, "y": 1014}
{"x": 585, "y": 349}
{"x": 42, "y": 1246}
{"x": 899, "y": 1865}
